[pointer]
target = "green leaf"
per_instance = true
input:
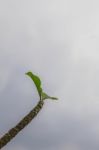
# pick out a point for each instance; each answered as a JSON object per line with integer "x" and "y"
{"x": 45, "y": 96}
{"x": 36, "y": 81}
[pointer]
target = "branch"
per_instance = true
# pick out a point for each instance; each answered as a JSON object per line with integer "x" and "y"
{"x": 22, "y": 124}
{"x": 28, "y": 118}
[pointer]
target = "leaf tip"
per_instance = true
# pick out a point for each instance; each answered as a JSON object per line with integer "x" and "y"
{"x": 54, "y": 98}
{"x": 28, "y": 73}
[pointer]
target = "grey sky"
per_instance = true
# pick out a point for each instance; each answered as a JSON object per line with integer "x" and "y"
{"x": 59, "y": 41}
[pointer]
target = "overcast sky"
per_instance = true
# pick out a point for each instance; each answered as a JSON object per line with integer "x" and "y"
{"x": 59, "y": 41}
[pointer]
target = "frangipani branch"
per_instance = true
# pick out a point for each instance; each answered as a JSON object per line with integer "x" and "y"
{"x": 30, "y": 116}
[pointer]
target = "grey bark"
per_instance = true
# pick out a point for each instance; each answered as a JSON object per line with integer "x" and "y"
{"x": 22, "y": 124}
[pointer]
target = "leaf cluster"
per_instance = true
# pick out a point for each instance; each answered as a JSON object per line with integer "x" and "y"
{"x": 38, "y": 85}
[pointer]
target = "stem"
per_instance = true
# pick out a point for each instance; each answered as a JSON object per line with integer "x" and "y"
{"x": 22, "y": 124}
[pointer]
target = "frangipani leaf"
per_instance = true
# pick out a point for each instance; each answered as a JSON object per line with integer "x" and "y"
{"x": 36, "y": 81}
{"x": 45, "y": 96}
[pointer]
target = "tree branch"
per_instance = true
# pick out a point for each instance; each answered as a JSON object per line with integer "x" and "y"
{"x": 22, "y": 124}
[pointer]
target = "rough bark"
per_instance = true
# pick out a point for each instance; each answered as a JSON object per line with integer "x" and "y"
{"x": 23, "y": 123}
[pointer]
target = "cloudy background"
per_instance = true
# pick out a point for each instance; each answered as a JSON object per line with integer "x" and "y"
{"x": 59, "y": 41}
